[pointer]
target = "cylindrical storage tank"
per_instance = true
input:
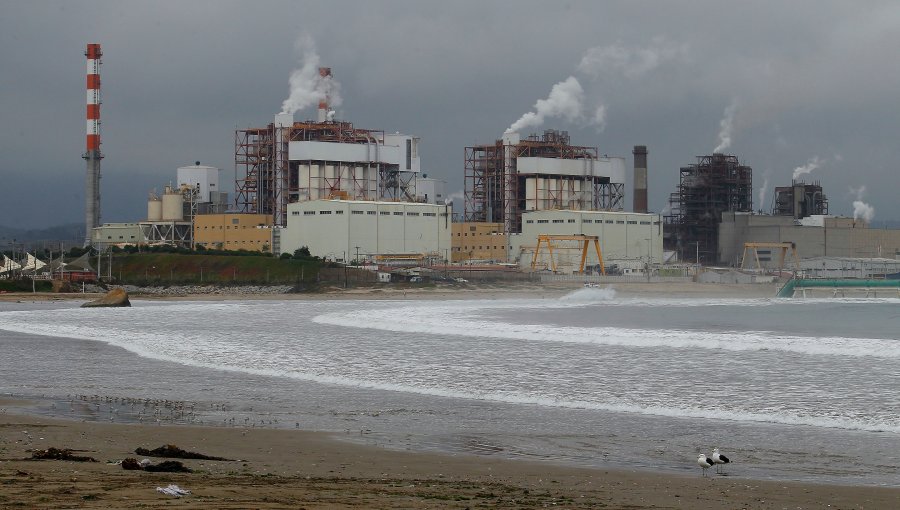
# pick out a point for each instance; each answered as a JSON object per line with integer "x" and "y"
{"x": 172, "y": 205}
{"x": 154, "y": 209}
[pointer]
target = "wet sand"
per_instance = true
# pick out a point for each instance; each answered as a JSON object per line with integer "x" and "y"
{"x": 301, "y": 469}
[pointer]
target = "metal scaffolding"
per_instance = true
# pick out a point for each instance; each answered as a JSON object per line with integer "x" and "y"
{"x": 800, "y": 200}
{"x": 267, "y": 179}
{"x": 715, "y": 184}
{"x": 498, "y": 191}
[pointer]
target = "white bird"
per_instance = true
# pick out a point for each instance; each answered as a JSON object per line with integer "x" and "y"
{"x": 704, "y": 462}
{"x": 719, "y": 459}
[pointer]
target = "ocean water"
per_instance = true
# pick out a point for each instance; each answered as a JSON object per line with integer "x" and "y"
{"x": 789, "y": 389}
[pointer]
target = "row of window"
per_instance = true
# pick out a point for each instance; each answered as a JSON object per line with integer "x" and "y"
{"x": 466, "y": 234}
{"x": 608, "y": 222}
{"x": 467, "y": 248}
{"x": 219, "y": 227}
{"x": 370, "y": 213}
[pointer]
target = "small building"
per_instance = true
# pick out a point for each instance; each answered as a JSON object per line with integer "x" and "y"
{"x": 250, "y": 232}
{"x": 345, "y": 230}
{"x": 478, "y": 241}
{"x": 116, "y": 234}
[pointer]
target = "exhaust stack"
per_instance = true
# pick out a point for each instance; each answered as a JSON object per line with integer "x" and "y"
{"x": 640, "y": 178}
{"x": 92, "y": 153}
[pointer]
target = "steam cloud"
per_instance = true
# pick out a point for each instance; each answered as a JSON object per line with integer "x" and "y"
{"x": 566, "y": 100}
{"x": 765, "y": 186}
{"x": 307, "y": 87}
{"x": 631, "y": 62}
{"x": 860, "y": 208}
{"x": 726, "y": 125}
{"x": 810, "y": 165}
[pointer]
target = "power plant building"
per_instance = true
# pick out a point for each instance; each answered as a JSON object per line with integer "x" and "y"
{"x": 340, "y": 229}
{"x": 716, "y": 184}
{"x": 813, "y": 236}
{"x": 505, "y": 179}
{"x": 288, "y": 162}
{"x": 477, "y": 242}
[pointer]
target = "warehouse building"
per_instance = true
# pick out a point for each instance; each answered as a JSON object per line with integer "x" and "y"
{"x": 629, "y": 240}
{"x": 344, "y": 230}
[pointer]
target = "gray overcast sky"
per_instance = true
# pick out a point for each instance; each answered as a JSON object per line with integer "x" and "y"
{"x": 806, "y": 81}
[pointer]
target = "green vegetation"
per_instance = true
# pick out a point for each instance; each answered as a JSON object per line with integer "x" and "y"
{"x": 24, "y": 285}
{"x": 195, "y": 268}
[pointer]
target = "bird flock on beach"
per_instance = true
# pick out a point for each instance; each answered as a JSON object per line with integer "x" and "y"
{"x": 716, "y": 459}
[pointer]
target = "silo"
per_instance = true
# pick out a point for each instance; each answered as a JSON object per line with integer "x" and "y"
{"x": 172, "y": 205}
{"x": 154, "y": 208}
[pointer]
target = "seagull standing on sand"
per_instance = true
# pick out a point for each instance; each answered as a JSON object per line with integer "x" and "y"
{"x": 719, "y": 459}
{"x": 704, "y": 462}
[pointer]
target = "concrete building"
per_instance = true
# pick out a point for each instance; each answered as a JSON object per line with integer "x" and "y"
{"x": 629, "y": 240}
{"x": 813, "y": 236}
{"x": 480, "y": 242}
{"x": 116, "y": 234}
{"x": 204, "y": 179}
{"x": 343, "y": 230}
{"x": 250, "y": 232}
{"x": 430, "y": 190}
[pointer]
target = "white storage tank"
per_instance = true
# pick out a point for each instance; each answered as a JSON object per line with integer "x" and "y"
{"x": 172, "y": 205}
{"x": 154, "y": 208}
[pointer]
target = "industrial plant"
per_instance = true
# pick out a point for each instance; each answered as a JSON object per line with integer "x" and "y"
{"x": 532, "y": 202}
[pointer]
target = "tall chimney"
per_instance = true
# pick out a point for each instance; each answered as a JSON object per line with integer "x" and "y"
{"x": 325, "y": 74}
{"x": 640, "y": 178}
{"x": 92, "y": 153}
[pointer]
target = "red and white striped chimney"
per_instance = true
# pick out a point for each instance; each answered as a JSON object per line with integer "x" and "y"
{"x": 93, "y": 54}
{"x": 325, "y": 75}
{"x": 92, "y": 153}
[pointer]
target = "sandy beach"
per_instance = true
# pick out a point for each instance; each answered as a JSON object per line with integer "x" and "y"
{"x": 301, "y": 469}
{"x": 293, "y": 468}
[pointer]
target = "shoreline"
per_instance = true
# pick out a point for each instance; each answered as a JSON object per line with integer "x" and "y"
{"x": 292, "y": 468}
{"x": 468, "y": 291}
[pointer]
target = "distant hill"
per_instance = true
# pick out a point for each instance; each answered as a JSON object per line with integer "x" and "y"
{"x": 67, "y": 233}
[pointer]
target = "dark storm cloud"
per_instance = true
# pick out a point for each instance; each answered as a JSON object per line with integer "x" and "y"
{"x": 809, "y": 80}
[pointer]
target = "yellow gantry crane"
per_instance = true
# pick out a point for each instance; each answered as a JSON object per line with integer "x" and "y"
{"x": 783, "y": 247}
{"x": 584, "y": 243}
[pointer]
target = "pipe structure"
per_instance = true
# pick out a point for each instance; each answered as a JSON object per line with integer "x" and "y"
{"x": 640, "y": 178}
{"x": 92, "y": 154}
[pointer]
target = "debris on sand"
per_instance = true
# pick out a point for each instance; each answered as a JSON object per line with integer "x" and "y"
{"x": 168, "y": 466}
{"x": 59, "y": 454}
{"x": 173, "y": 452}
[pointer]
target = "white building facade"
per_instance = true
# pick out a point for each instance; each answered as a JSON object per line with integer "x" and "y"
{"x": 343, "y": 230}
{"x": 629, "y": 240}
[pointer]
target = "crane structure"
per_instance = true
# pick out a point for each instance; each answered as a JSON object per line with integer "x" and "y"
{"x": 583, "y": 243}
{"x": 783, "y": 250}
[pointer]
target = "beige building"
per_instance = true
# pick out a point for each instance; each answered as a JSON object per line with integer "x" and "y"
{"x": 477, "y": 241}
{"x": 250, "y": 232}
{"x": 813, "y": 236}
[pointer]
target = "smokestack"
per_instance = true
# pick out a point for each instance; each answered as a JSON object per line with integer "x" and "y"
{"x": 325, "y": 74}
{"x": 640, "y": 178}
{"x": 92, "y": 153}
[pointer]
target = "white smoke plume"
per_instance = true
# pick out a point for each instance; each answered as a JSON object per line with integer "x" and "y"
{"x": 307, "y": 87}
{"x": 599, "y": 119}
{"x": 726, "y": 126}
{"x": 629, "y": 61}
{"x": 764, "y": 188}
{"x": 810, "y": 165}
{"x": 860, "y": 208}
{"x": 566, "y": 100}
